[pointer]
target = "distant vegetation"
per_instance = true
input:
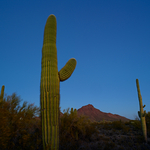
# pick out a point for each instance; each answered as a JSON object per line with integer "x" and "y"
{"x": 21, "y": 130}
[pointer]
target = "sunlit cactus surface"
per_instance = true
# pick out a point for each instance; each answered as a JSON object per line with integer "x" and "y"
{"x": 49, "y": 88}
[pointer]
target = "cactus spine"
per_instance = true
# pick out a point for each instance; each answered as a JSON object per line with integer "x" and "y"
{"x": 141, "y": 113}
{"x": 2, "y": 93}
{"x": 49, "y": 86}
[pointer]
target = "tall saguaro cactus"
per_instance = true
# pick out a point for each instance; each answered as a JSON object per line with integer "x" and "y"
{"x": 2, "y": 93}
{"x": 49, "y": 88}
{"x": 141, "y": 113}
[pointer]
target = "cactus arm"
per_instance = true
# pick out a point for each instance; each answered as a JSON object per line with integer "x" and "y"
{"x": 2, "y": 93}
{"x": 141, "y": 112}
{"x": 67, "y": 70}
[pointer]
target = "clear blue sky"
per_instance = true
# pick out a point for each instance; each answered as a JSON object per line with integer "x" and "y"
{"x": 110, "y": 40}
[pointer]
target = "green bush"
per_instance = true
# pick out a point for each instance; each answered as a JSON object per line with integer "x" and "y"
{"x": 74, "y": 129}
{"x": 136, "y": 124}
{"x": 107, "y": 125}
{"x": 18, "y": 124}
{"x": 118, "y": 125}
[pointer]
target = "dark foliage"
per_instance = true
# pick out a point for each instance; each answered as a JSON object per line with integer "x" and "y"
{"x": 20, "y": 129}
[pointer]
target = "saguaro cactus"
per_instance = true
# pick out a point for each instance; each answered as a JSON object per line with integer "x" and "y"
{"x": 2, "y": 93}
{"x": 141, "y": 113}
{"x": 49, "y": 87}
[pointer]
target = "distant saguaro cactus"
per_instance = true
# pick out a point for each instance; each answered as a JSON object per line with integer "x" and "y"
{"x": 2, "y": 93}
{"x": 141, "y": 113}
{"x": 49, "y": 87}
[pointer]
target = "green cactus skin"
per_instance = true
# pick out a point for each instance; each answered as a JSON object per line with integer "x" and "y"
{"x": 141, "y": 113}
{"x": 50, "y": 86}
{"x": 2, "y": 93}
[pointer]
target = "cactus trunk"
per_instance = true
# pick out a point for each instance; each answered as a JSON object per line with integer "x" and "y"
{"x": 49, "y": 88}
{"x": 141, "y": 113}
{"x": 2, "y": 93}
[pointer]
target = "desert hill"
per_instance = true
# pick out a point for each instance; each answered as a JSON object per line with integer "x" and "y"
{"x": 97, "y": 115}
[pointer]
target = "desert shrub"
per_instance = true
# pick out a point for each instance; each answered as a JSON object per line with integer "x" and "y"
{"x": 140, "y": 139}
{"x": 107, "y": 125}
{"x": 109, "y": 145}
{"x": 74, "y": 129}
{"x": 126, "y": 129}
{"x": 136, "y": 124}
{"x": 118, "y": 125}
{"x": 127, "y": 123}
{"x": 17, "y": 123}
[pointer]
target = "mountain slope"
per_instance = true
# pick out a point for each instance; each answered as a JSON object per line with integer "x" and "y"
{"x": 96, "y": 115}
